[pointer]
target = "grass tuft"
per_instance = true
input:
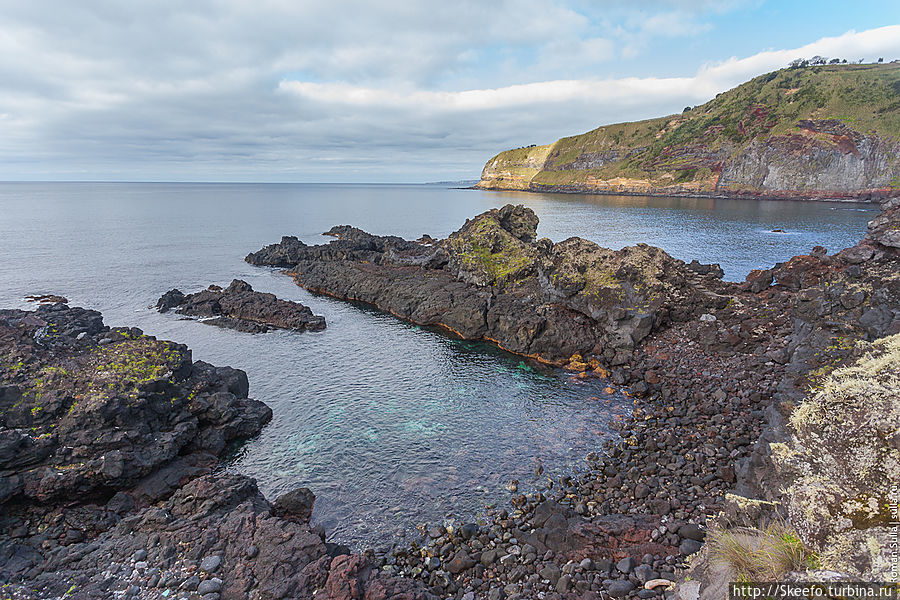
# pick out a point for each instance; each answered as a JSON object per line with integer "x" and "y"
{"x": 761, "y": 555}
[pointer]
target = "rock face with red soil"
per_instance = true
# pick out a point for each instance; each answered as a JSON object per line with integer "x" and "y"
{"x": 492, "y": 280}
{"x": 239, "y": 307}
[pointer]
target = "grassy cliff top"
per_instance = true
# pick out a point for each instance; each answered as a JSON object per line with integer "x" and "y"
{"x": 862, "y": 98}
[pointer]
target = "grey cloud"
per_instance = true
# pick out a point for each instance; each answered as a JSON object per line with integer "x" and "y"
{"x": 173, "y": 90}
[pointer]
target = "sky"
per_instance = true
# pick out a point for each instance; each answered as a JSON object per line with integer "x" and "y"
{"x": 375, "y": 90}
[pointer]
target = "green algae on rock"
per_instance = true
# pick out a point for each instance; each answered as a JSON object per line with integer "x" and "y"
{"x": 493, "y": 281}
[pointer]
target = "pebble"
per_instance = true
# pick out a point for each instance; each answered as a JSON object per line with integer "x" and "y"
{"x": 619, "y": 589}
{"x": 689, "y": 547}
{"x": 191, "y": 583}
{"x": 692, "y": 531}
{"x": 210, "y": 563}
{"x": 626, "y": 565}
{"x": 209, "y": 585}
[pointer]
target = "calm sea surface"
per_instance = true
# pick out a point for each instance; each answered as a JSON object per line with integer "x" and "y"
{"x": 389, "y": 424}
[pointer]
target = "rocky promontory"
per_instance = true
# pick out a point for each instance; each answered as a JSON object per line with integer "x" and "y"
{"x": 493, "y": 280}
{"x": 240, "y": 307}
{"x": 109, "y": 481}
{"x": 821, "y": 132}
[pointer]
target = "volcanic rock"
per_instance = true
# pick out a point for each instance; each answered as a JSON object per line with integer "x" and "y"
{"x": 492, "y": 281}
{"x": 239, "y": 307}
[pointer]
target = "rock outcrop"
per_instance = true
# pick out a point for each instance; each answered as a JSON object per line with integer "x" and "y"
{"x": 492, "y": 280}
{"x": 822, "y": 476}
{"x": 109, "y": 487}
{"x": 821, "y": 132}
{"x": 239, "y": 307}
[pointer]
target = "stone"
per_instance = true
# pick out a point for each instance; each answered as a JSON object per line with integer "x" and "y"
{"x": 645, "y": 573}
{"x": 550, "y": 572}
{"x": 496, "y": 593}
{"x": 626, "y": 565}
{"x": 296, "y": 505}
{"x": 191, "y": 583}
{"x": 210, "y": 564}
{"x": 468, "y": 531}
{"x": 488, "y": 557}
{"x": 660, "y": 506}
{"x": 460, "y": 562}
{"x": 619, "y": 589}
{"x": 641, "y": 491}
{"x": 692, "y": 531}
{"x": 689, "y": 547}
{"x": 209, "y": 585}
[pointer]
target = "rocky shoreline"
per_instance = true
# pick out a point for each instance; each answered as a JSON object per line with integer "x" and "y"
{"x": 110, "y": 486}
{"x": 494, "y": 281}
{"x": 873, "y": 196}
{"x": 241, "y": 308}
{"x": 710, "y": 379}
{"x": 109, "y": 439}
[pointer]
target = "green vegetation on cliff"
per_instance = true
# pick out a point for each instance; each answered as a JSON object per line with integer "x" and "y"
{"x": 820, "y": 130}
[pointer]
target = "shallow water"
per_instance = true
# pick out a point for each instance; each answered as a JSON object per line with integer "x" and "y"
{"x": 386, "y": 422}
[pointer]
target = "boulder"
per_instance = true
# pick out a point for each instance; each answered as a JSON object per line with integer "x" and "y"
{"x": 240, "y": 307}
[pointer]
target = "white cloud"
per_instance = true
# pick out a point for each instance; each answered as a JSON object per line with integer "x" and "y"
{"x": 870, "y": 45}
{"x": 289, "y": 89}
{"x": 709, "y": 80}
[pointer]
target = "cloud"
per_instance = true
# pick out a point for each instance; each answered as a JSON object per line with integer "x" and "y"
{"x": 709, "y": 80}
{"x": 338, "y": 90}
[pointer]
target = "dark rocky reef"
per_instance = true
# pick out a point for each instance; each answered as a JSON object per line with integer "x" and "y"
{"x": 492, "y": 280}
{"x": 109, "y": 488}
{"x": 239, "y": 307}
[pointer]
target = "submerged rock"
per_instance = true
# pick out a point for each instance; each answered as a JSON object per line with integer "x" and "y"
{"x": 239, "y": 307}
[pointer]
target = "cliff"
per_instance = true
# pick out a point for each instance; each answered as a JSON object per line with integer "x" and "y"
{"x": 823, "y": 132}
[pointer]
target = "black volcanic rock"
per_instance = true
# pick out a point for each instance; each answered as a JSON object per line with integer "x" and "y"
{"x": 109, "y": 487}
{"x": 86, "y": 408}
{"x": 239, "y": 307}
{"x": 492, "y": 280}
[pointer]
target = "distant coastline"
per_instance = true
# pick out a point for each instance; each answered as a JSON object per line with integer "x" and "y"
{"x": 804, "y": 133}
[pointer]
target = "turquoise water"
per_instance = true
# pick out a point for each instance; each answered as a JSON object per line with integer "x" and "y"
{"x": 389, "y": 424}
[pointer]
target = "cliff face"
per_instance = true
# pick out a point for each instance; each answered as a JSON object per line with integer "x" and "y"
{"x": 828, "y": 132}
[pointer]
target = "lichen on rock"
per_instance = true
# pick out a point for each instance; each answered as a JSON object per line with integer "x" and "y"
{"x": 495, "y": 248}
{"x": 846, "y": 460}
